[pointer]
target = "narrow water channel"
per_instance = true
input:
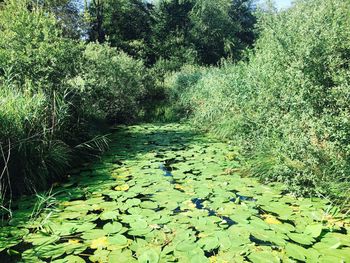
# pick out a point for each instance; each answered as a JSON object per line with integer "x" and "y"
{"x": 164, "y": 193}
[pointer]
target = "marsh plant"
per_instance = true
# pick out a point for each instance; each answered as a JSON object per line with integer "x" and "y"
{"x": 286, "y": 105}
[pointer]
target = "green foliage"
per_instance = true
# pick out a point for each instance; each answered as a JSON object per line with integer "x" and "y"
{"x": 209, "y": 29}
{"x": 124, "y": 23}
{"x": 53, "y": 90}
{"x": 31, "y": 153}
{"x": 179, "y": 87}
{"x": 184, "y": 31}
{"x": 67, "y": 14}
{"x": 32, "y": 46}
{"x": 217, "y": 28}
{"x": 111, "y": 83}
{"x": 190, "y": 210}
{"x": 287, "y": 106}
{"x": 35, "y": 62}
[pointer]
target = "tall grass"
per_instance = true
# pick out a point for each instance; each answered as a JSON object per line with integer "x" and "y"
{"x": 27, "y": 138}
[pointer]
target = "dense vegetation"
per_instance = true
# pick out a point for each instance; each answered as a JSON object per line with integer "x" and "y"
{"x": 55, "y": 90}
{"x": 270, "y": 88}
{"x": 287, "y": 105}
{"x": 275, "y": 83}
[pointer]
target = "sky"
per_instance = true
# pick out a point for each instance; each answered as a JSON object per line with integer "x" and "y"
{"x": 281, "y": 4}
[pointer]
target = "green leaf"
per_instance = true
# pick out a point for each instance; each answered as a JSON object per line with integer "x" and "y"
{"x": 70, "y": 259}
{"x": 301, "y": 238}
{"x": 112, "y": 228}
{"x": 185, "y": 246}
{"x": 263, "y": 256}
{"x": 49, "y": 251}
{"x": 39, "y": 239}
{"x": 209, "y": 243}
{"x": 314, "y": 230}
{"x": 296, "y": 252}
{"x": 100, "y": 256}
{"x": 139, "y": 224}
{"x": 149, "y": 256}
{"x": 109, "y": 215}
{"x": 94, "y": 234}
{"x": 117, "y": 240}
{"x": 120, "y": 256}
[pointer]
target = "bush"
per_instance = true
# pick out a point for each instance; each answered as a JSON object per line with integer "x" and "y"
{"x": 288, "y": 106}
{"x": 112, "y": 83}
{"x": 32, "y": 47}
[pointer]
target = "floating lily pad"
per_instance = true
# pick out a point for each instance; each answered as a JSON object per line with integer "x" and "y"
{"x": 296, "y": 252}
{"x": 94, "y": 234}
{"x": 70, "y": 259}
{"x": 100, "y": 255}
{"x": 99, "y": 243}
{"x": 303, "y": 239}
{"x": 123, "y": 187}
{"x": 122, "y": 208}
{"x": 109, "y": 215}
{"x": 149, "y": 256}
{"x": 39, "y": 239}
{"x": 112, "y": 228}
{"x": 120, "y": 256}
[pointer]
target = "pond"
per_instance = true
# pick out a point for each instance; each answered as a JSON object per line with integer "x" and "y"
{"x": 164, "y": 193}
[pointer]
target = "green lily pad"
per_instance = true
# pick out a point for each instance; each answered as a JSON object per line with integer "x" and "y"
{"x": 111, "y": 228}
{"x": 49, "y": 251}
{"x": 263, "y": 256}
{"x": 209, "y": 243}
{"x": 126, "y": 210}
{"x": 39, "y": 239}
{"x": 296, "y": 252}
{"x": 314, "y": 230}
{"x": 6, "y": 243}
{"x": 70, "y": 259}
{"x": 121, "y": 256}
{"x": 149, "y": 256}
{"x": 109, "y": 215}
{"x": 117, "y": 240}
{"x": 149, "y": 205}
{"x": 100, "y": 256}
{"x": 185, "y": 246}
{"x": 301, "y": 238}
{"x": 93, "y": 234}
{"x": 138, "y": 224}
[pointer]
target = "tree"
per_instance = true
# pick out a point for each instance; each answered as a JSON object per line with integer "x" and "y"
{"x": 212, "y": 29}
{"x": 221, "y": 28}
{"x": 67, "y": 14}
{"x": 96, "y": 17}
{"x": 170, "y": 31}
{"x": 126, "y": 24}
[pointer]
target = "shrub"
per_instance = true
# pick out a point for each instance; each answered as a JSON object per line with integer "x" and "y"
{"x": 112, "y": 83}
{"x": 288, "y": 105}
{"x": 32, "y": 46}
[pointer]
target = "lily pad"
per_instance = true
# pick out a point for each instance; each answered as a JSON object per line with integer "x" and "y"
{"x": 296, "y": 252}
{"x": 112, "y": 228}
{"x": 149, "y": 256}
